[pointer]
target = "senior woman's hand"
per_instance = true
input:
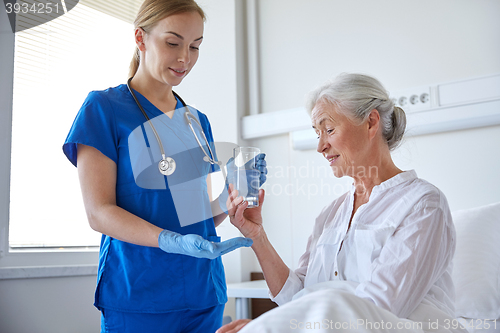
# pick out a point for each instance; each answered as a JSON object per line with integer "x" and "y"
{"x": 248, "y": 221}
{"x": 234, "y": 326}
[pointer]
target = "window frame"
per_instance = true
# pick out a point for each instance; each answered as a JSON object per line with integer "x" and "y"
{"x": 30, "y": 262}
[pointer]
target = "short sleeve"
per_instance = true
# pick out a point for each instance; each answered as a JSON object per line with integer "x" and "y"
{"x": 94, "y": 126}
{"x": 208, "y": 133}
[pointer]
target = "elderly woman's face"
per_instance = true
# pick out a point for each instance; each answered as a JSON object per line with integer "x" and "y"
{"x": 344, "y": 144}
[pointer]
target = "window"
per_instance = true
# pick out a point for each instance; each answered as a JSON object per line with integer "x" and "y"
{"x": 55, "y": 66}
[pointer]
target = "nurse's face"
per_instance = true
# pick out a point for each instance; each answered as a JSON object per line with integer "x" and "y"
{"x": 343, "y": 143}
{"x": 170, "y": 50}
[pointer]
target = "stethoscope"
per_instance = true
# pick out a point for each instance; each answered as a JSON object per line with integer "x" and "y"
{"x": 167, "y": 164}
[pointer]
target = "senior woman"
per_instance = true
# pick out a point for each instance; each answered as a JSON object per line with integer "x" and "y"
{"x": 380, "y": 252}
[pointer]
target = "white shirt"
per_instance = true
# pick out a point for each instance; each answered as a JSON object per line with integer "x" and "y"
{"x": 399, "y": 247}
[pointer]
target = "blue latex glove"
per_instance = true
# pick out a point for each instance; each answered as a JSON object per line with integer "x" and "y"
{"x": 259, "y": 164}
{"x": 196, "y": 246}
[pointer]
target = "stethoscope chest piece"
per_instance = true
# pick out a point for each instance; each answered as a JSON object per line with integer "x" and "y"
{"x": 167, "y": 166}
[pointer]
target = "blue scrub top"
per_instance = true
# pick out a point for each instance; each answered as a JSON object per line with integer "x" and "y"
{"x": 136, "y": 278}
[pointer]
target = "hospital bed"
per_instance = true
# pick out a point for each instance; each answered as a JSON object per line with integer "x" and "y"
{"x": 476, "y": 271}
{"x": 476, "y": 276}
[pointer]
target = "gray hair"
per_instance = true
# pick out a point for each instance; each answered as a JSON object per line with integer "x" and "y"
{"x": 356, "y": 95}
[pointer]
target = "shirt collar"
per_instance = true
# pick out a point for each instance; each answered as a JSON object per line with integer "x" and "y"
{"x": 400, "y": 178}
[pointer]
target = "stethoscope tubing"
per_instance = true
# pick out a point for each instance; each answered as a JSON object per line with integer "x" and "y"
{"x": 207, "y": 158}
{"x": 147, "y": 118}
{"x": 189, "y": 116}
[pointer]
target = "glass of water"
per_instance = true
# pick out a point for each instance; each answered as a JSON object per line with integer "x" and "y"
{"x": 246, "y": 176}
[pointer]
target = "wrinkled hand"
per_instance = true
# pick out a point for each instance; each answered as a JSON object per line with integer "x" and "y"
{"x": 234, "y": 326}
{"x": 259, "y": 163}
{"x": 248, "y": 221}
{"x": 196, "y": 246}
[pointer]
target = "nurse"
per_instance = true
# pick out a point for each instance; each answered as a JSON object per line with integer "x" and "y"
{"x": 159, "y": 266}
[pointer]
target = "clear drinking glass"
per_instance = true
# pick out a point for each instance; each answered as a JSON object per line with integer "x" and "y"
{"x": 246, "y": 176}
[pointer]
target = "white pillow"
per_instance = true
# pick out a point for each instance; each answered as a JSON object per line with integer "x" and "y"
{"x": 476, "y": 271}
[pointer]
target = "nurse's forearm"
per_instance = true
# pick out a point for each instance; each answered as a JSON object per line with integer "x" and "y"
{"x": 274, "y": 269}
{"x": 215, "y": 206}
{"x": 118, "y": 223}
{"x": 218, "y": 219}
{"x": 218, "y": 214}
{"x": 97, "y": 174}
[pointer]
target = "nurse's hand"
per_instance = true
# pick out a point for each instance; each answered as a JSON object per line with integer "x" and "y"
{"x": 248, "y": 221}
{"x": 196, "y": 246}
{"x": 259, "y": 164}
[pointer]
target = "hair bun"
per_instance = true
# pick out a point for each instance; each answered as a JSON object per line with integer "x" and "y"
{"x": 398, "y": 128}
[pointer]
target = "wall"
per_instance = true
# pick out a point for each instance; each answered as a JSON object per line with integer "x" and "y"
{"x": 48, "y": 305}
{"x": 404, "y": 44}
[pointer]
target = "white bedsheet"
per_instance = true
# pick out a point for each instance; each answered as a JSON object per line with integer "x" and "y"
{"x": 332, "y": 305}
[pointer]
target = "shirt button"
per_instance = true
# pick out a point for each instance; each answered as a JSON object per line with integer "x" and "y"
{"x": 336, "y": 273}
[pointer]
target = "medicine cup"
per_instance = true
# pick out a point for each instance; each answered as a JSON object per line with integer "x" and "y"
{"x": 246, "y": 176}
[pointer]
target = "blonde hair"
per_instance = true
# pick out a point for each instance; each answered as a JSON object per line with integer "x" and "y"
{"x": 355, "y": 95}
{"x": 153, "y": 11}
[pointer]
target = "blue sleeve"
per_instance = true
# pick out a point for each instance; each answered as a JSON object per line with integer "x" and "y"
{"x": 94, "y": 126}
{"x": 208, "y": 133}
